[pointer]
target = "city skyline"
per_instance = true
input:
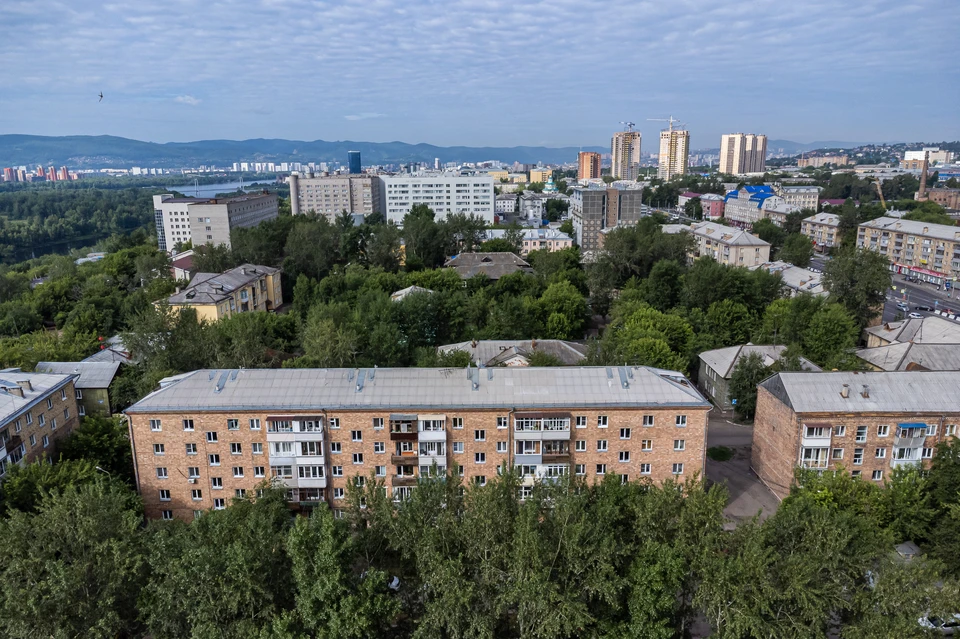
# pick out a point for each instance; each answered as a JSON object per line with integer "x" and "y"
{"x": 431, "y": 68}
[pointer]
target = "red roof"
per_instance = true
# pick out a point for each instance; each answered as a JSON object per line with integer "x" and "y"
{"x": 185, "y": 262}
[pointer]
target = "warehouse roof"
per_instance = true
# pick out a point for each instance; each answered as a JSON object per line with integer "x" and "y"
{"x": 893, "y": 392}
{"x": 422, "y": 388}
{"x": 91, "y": 374}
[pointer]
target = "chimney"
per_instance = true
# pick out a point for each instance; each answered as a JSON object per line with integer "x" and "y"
{"x": 176, "y": 291}
{"x": 865, "y": 393}
{"x": 923, "y": 176}
{"x": 25, "y": 385}
{"x": 243, "y": 270}
{"x": 15, "y": 390}
{"x": 845, "y": 391}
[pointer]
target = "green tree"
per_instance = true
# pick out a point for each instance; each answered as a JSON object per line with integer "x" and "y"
{"x": 858, "y": 279}
{"x": 693, "y": 209}
{"x": 767, "y": 231}
{"x": 325, "y": 344}
{"x": 729, "y": 323}
{"x": 208, "y": 258}
{"x": 747, "y": 373}
{"x": 797, "y": 250}
{"x": 25, "y": 486}
{"x": 563, "y": 300}
{"x": 830, "y": 337}
{"x": 105, "y": 441}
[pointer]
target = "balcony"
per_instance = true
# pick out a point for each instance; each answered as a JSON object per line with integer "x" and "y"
{"x": 432, "y": 428}
{"x": 406, "y": 458}
{"x": 905, "y": 457}
{"x": 541, "y": 426}
{"x": 403, "y": 428}
{"x": 312, "y": 482}
{"x": 404, "y": 480}
{"x": 816, "y": 435}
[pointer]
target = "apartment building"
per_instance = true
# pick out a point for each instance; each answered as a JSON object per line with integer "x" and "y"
{"x": 712, "y": 205}
{"x": 823, "y": 229}
{"x": 625, "y": 151}
{"x": 444, "y": 194}
{"x": 932, "y": 154}
{"x": 92, "y": 382}
{"x": 930, "y": 252}
{"x": 541, "y": 175}
{"x": 588, "y": 165}
{"x": 246, "y": 288}
{"x": 717, "y": 366}
{"x": 330, "y": 195}
{"x": 542, "y": 239}
{"x": 864, "y": 423}
{"x": 506, "y": 203}
{"x": 596, "y": 208}
{"x": 36, "y": 410}
{"x": 728, "y": 245}
{"x": 752, "y": 203}
{"x": 742, "y": 153}
{"x": 208, "y": 436}
{"x": 674, "y": 153}
{"x": 801, "y": 197}
{"x": 796, "y": 280}
{"x": 208, "y": 220}
{"x": 823, "y": 160}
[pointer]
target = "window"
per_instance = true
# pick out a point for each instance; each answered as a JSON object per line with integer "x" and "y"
{"x": 211, "y": 437}
{"x": 216, "y": 483}
{"x": 154, "y": 424}
{"x": 46, "y": 441}
{"x": 681, "y": 421}
{"x": 480, "y": 458}
{"x": 356, "y": 436}
{"x": 196, "y": 494}
{"x": 193, "y": 472}
{"x": 927, "y": 453}
{"x": 648, "y": 420}
{"x": 840, "y": 430}
{"x": 881, "y": 453}
{"x": 480, "y": 480}
{"x": 50, "y": 402}
{"x": 188, "y": 425}
{"x": 602, "y": 421}
{"x": 81, "y": 410}
{"x": 164, "y": 495}
{"x": 78, "y": 394}
{"x": 233, "y": 424}
{"x": 580, "y": 469}
{"x": 817, "y": 431}
{"x": 238, "y": 471}
{"x": 214, "y": 459}
{"x": 479, "y": 435}
{"x": 855, "y": 473}
{"x": 17, "y": 427}
{"x": 161, "y": 472}
{"x": 501, "y": 447}
{"x": 861, "y": 434}
{"x": 337, "y": 471}
{"x": 378, "y": 423}
{"x": 644, "y": 469}
{"x": 33, "y": 440}
{"x": 457, "y": 447}
{"x": 624, "y": 433}
{"x": 381, "y": 471}
{"x": 338, "y": 493}
{"x": 877, "y": 475}
{"x": 883, "y": 430}
{"x": 624, "y": 479}
{"x": 66, "y": 413}
{"x": 166, "y": 515}
{"x": 30, "y": 421}
{"x": 931, "y": 430}
{"x": 857, "y": 456}
{"x": 601, "y": 445}
{"x": 358, "y": 458}
{"x": 581, "y": 421}
{"x": 624, "y": 456}
{"x": 158, "y": 449}
{"x": 458, "y": 422}
{"x": 601, "y": 469}
{"x": 838, "y": 453}
{"x": 258, "y": 471}
{"x": 240, "y": 493}
{"x": 950, "y": 430}
{"x": 378, "y": 447}
{"x": 282, "y": 471}
{"x": 502, "y": 422}
{"x": 254, "y": 424}
{"x": 646, "y": 445}
{"x": 336, "y": 448}
{"x": 334, "y": 423}
{"x": 678, "y": 469}
{"x": 236, "y": 448}
{"x": 219, "y": 504}
{"x": 679, "y": 444}
{"x": 256, "y": 448}
{"x": 580, "y": 446}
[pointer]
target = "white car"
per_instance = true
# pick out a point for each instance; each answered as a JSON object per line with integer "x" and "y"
{"x": 947, "y": 627}
{"x": 915, "y": 316}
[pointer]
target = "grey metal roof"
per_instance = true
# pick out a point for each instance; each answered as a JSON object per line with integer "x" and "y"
{"x": 929, "y": 330}
{"x": 490, "y": 352}
{"x": 493, "y": 265}
{"x": 41, "y": 385}
{"x": 723, "y": 360}
{"x": 91, "y": 374}
{"x": 913, "y": 227}
{"x": 422, "y": 388}
{"x": 211, "y": 288}
{"x": 725, "y": 234}
{"x": 895, "y": 392}
{"x": 911, "y": 356}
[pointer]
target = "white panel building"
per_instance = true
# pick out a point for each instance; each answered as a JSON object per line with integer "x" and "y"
{"x": 444, "y": 194}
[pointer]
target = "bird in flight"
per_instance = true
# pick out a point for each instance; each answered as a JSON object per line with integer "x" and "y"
{"x": 101, "y": 97}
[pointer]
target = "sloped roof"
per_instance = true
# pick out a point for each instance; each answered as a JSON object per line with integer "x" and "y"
{"x": 723, "y": 360}
{"x": 421, "y": 389}
{"x": 928, "y": 330}
{"x": 41, "y": 385}
{"x": 726, "y": 234}
{"x": 396, "y": 296}
{"x": 904, "y": 356}
{"x": 493, "y": 352}
{"x": 91, "y": 374}
{"x": 493, "y": 265}
{"x": 212, "y": 288}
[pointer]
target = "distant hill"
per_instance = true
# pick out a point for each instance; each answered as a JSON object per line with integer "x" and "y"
{"x": 799, "y": 147}
{"x": 106, "y": 151}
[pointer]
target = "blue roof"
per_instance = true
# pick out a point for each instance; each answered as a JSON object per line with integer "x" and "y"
{"x": 758, "y": 189}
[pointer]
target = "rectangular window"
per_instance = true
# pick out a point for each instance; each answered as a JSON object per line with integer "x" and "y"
{"x": 219, "y": 504}
{"x": 238, "y": 471}
{"x": 601, "y": 469}
{"x": 358, "y": 458}
{"x": 240, "y": 493}
{"x": 950, "y": 430}
{"x": 30, "y": 421}
{"x": 601, "y": 445}
{"x": 861, "y": 434}
{"x": 161, "y": 472}
{"x": 50, "y": 402}
{"x": 378, "y": 447}
{"x": 502, "y": 422}
{"x": 817, "y": 431}
{"x": 839, "y": 430}
{"x": 927, "y": 453}
{"x": 624, "y": 455}
{"x": 881, "y": 453}
{"x": 678, "y": 469}
{"x": 33, "y": 440}
{"x": 258, "y": 471}
{"x": 480, "y": 480}
{"x": 216, "y": 483}
{"x": 581, "y": 421}
{"x": 479, "y": 435}
{"x": 381, "y": 471}
{"x": 282, "y": 471}
{"x": 378, "y": 423}
{"x": 338, "y": 493}
{"x": 356, "y": 436}
{"x": 336, "y": 448}
{"x": 337, "y": 471}
{"x": 256, "y": 448}
{"x": 46, "y": 441}
{"x": 681, "y": 421}
{"x": 166, "y": 515}
{"x": 188, "y": 425}
{"x": 196, "y": 494}
{"x": 646, "y": 445}
{"x": 164, "y": 495}
{"x": 877, "y": 475}
{"x": 458, "y": 422}
{"x": 233, "y": 424}
{"x": 838, "y": 453}
{"x": 211, "y": 437}
{"x": 648, "y": 420}
{"x": 457, "y": 447}
{"x": 480, "y": 458}
{"x": 624, "y": 433}
{"x": 78, "y": 394}
{"x": 855, "y": 474}
{"x": 580, "y": 446}
{"x": 624, "y": 479}
{"x": 193, "y": 472}
{"x": 679, "y": 444}
{"x": 931, "y": 430}
{"x": 602, "y": 421}
{"x": 883, "y": 430}
{"x": 644, "y": 469}
{"x": 66, "y": 413}
{"x": 857, "y": 456}
{"x": 236, "y": 448}
{"x": 501, "y": 447}
{"x": 214, "y": 459}
{"x": 254, "y": 424}
{"x": 158, "y": 449}
{"x": 154, "y": 424}
{"x": 335, "y": 423}
{"x": 580, "y": 469}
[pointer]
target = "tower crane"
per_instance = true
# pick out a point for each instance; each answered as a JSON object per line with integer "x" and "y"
{"x": 670, "y": 120}
{"x": 628, "y": 126}
{"x": 876, "y": 183}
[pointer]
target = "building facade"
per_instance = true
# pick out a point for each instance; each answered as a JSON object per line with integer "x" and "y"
{"x": 444, "y": 194}
{"x": 36, "y": 411}
{"x": 930, "y": 252}
{"x": 537, "y": 239}
{"x": 244, "y": 289}
{"x": 625, "y": 151}
{"x": 823, "y": 229}
{"x": 823, "y": 160}
{"x": 594, "y": 209}
{"x": 752, "y": 203}
{"x": 208, "y": 220}
{"x": 353, "y": 162}
{"x": 717, "y": 366}
{"x": 933, "y": 155}
{"x": 92, "y": 382}
{"x": 674, "y": 151}
{"x": 863, "y": 423}
{"x": 742, "y": 153}
{"x": 330, "y": 195}
{"x": 801, "y": 197}
{"x": 727, "y": 245}
{"x": 209, "y": 436}
{"x": 541, "y": 175}
{"x": 506, "y": 203}
{"x": 588, "y": 165}
{"x": 712, "y": 205}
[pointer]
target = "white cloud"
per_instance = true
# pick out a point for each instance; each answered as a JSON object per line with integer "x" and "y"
{"x": 363, "y": 116}
{"x": 187, "y": 99}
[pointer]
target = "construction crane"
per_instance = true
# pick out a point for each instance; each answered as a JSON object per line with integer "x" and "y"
{"x": 876, "y": 183}
{"x": 670, "y": 120}
{"x": 628, "y": 125}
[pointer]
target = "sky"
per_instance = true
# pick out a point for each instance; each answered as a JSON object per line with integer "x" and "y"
{"x": 481, "y": 72}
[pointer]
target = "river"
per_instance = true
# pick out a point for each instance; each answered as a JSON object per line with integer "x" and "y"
{"x": 209, "y": 190}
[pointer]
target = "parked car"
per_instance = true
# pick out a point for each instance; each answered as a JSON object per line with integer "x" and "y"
{"x": 915, "y": 316}
{"x": 947, "y": 627}
{"x": 922, "y": 308}
{"x": 902, "y": 306}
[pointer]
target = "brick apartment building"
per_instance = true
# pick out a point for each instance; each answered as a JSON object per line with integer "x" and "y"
{"x": 36, "y": 410}
{"x": 866, "y": 423}
{"x": 208, "y": 436}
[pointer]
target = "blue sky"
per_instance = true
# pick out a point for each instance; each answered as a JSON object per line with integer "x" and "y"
{"x": 481, "y": 72}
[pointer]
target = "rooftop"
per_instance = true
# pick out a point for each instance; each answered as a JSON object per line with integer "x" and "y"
{"x": 19, "y": 391}
{"x": 397, "y": 296}
{"x": 212, "y": 288}
{"x": 532, "y": 234}
{"x": 422, "y": 389}
{"x": 908, "y": 356}
{"x": 495, "y": 352}
{"x": 91, "y": 374}
{"x": 928, "y": 330}
{"x": 896, "y": 225}
{"x": 795, "y": 277}
{"x": 895, "y": 392}
{"x": 493, "y": 265}
{"x": 723, "y": 360}
{"x": 726, "y": 234}
{"x": 823, "y": 218}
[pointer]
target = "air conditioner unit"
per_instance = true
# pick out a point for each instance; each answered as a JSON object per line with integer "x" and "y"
{"x": 192, "y": 480}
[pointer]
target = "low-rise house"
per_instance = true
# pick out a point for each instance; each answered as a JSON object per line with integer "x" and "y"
{"x": 796, "y": 279}
{"x": 823, "y": 229}
{"x": 181, "y": 266}
{"x": 517, "y": 352}
{"x": 716, "y": 369}
{"x": 111, "y": 350}
{"x": 541, "y": 239}
{"x": 712, "y": 205}
{"x": 909, "y": 356}
{"x": 927, "y": 330}
{"x": 243, "y": 289}
{"x": 91, "y": 384}
{"x": 505, "y": 203}
{"x": 729, "y": 245}
{"x": 493, "y": 265}
{"x": 866, "y": 424}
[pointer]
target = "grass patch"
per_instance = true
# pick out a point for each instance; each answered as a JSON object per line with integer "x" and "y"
{"x": 719, "y": 453}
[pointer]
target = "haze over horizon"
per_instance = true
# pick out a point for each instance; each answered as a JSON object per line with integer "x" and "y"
{"x": 480, "y": 73}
